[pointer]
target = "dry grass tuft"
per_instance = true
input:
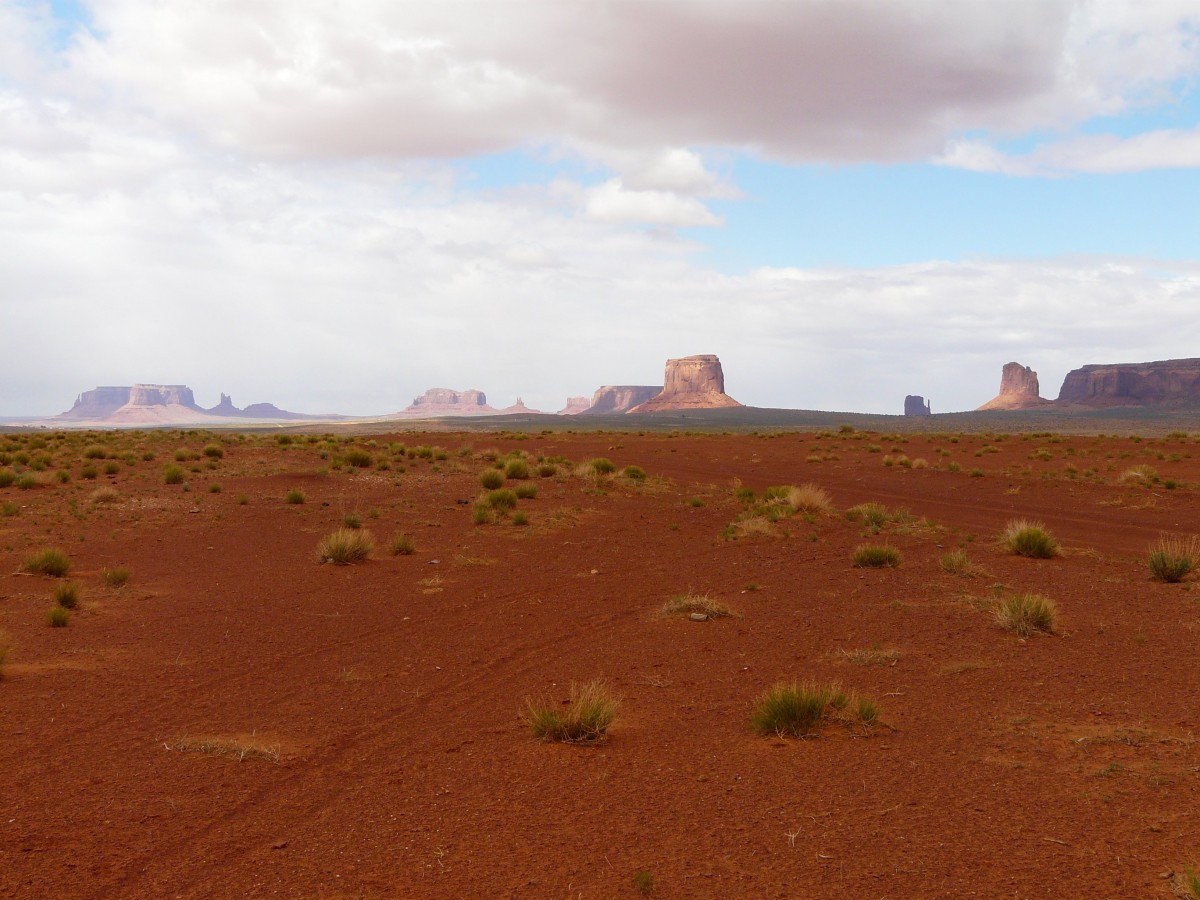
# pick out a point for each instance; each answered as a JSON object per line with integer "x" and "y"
{"x": 957, "y": 562}
{"x": 686, "y": 604}
{"x": 585, "y": 718}
{"x": 1026, "y": 538}
{"x": 345, "y": 546}
{"x": 1027, "y": 614}
{"x": 104, "y": 495}
{"x": 1173, "y": 557}
{"x": 238, "y": 748}
{"x": 798, "y": 709}
{"x": 810, "y": 498}
{"x": 871, "y": 656}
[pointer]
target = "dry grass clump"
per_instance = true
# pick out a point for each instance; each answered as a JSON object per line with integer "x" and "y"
{"x": 875, "y": 556}
{"x": 115, "y": 578}
{"x": 957, "y": 562}
{"x": 1142, "y": 474}
{"x": 1172, "y": 558}
{"x": 403, "y": 545}
{"x": 345, "y": 546}
{"x": 1026, "y": 538}
{"x": 491, "y": 479}
{"x": 751, "y": 526}
{"x": 58, "y": 616}
{"x": 50, "y": 561}
{"x": 810, "y": 498}
{"x": 104, "y": 495}
{"x": 686, "y": 604}
{"x": 585, "y": 719}
{"x": 240, "y": 749}
{"x": 1027, "y": 613}
{"x": 871, "y": 656}
{"x": 66, "y": 594}
{"x": 797, "y": 709}
{"x": 1187, "y": 884}
{"x": 295, "y": 496}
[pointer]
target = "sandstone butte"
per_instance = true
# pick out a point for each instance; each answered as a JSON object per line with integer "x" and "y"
{"x": 575, "y": 405}
{"x": 693, "y": 382}
{"x": 916, "y": 405}
{"x": 448, "y": 402}
{"x": 1169, "y": 381}
{"x": 620, "y": 398}
{"x": 1018, "y": 389}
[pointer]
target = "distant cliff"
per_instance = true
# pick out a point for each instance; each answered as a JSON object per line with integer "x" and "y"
{"x": 1169, "y": 381}
{"x": 693, "y": 382}
{"x": 620, "y": 398}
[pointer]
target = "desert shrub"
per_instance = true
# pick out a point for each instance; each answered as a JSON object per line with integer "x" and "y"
{"x": 1187, "y": 885}
{"x": 7, "y": 477}
{"x": 875, "y": 556}
{"x": 634, "y": 473}
{"x": 95, "y": 451}
{"x": 352, "y": 520}
{"x": 214, "y": 488}
{"x": 975, "y": 473}
{"x": 1141, "y": 474}
{"x": 870, "y": 513}
{"x": 403, "y": 545}
{"x": 66, "y": 595}
{"x": 112, "y": 467}
{"x": 27, "y": 481}
{"x": 519, "y": 518}
{"x": 214, "y": 451}
{"x": 797, "y": 709}
{"x": 62, "y": 476}
{"x": 643, "y": 882}
{"x": 482, "y": 514}
{"x": 89, "y": 472}
{"x": 602, "y": 466}
{"x": 516, "y": 469}
{"x": 1172, "y": 558}
{"x": 148, "y": 456}
{"x": 547, "y": 470}
{"x": 50, "y": 561}
{"x": 491, "y": 479}
{"x": 585, "y": 719}
{"x": 809, "y": 498}
{"x": 295, "y": 496}
{"x": 345, "y": 546}
{"x": 8, "y": 509}
{"x": 358, "y": 458}
{"x": 1025, "y": 538}
{"x": 172, "y": 475}
{"x": 116, "y": 577}
{"x": 104, "y": 495}
{"x": 686, "y": 604}
{"x": 501, "y": 500}
{"x": 58, "y": 616}
{"x": 525, "y": 491}
{"x": 957, "y": 562}
{"x": 1027, "y": 613}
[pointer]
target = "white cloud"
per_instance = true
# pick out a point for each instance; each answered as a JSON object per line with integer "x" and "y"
{"x": 613, "y": 202}
{"x": 1100, "y": 153}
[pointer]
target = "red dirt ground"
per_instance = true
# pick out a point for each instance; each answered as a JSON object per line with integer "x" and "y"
{"x": 392, "y": 692}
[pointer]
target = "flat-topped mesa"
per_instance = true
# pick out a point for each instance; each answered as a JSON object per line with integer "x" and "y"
{"x": 447, "y": 402}
{"x": 916, "y": 405}
{"x": 1168, "y": 381}
{"x": 575, "y": 405}
{"x": 1018, "y": 389}
{"x": 693, "y": 382}
{"x": 98, "y": 403}
{"x": 620, "y": 398}
{"x": 162, "y": 395}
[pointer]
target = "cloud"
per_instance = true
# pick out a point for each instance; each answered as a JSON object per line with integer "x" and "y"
{"x": 613, "y": 202}
{"x": 818, "y": 80}
{"x": 1100, "y": 153}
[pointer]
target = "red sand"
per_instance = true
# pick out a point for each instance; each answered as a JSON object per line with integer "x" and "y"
{"x": 392, "y": 691}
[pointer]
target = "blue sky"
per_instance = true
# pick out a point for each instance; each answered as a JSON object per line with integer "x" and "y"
{"x": 537, "y": 200}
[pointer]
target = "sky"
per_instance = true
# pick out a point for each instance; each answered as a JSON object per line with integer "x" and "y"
{"x": 335, "y": 206}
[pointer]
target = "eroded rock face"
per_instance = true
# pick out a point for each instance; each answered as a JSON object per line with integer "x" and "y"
{"x": 98, "y": 403}
{"x": 916, "y": 405}
{"x": 1169, "y": 381}
{"x": 575, "y": 405}
{"x": 517, "y": 409}
{"x": 620, "y": 398}
{"x": 1018, "y": 389}
{"x": 162, "y": 395}
{"x": 693, "y": 382}
{"x": 448, "y": 402}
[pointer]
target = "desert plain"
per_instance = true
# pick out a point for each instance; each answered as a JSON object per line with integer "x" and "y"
{"x": 226, "y": 716}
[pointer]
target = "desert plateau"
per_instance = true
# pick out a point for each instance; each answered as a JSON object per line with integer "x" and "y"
{"x": 220, "y": 713}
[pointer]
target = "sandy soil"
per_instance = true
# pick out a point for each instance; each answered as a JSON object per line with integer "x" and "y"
{"x": 241, "y": 721}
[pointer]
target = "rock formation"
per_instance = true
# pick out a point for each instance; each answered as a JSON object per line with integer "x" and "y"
{"x": 518, "y": 408}
{"x": 575, "y": 405}
{"x": 1018, "y": 389}
{"x": 98, "y": 403}
{"x": 446, "y": 402}
{"x": 1169, "y": 381}
{"x": 620, "y": 398}
{"x": 916, "y": 405}
{"x": 693, "y": 382}
{"x": 163, "y": 404}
